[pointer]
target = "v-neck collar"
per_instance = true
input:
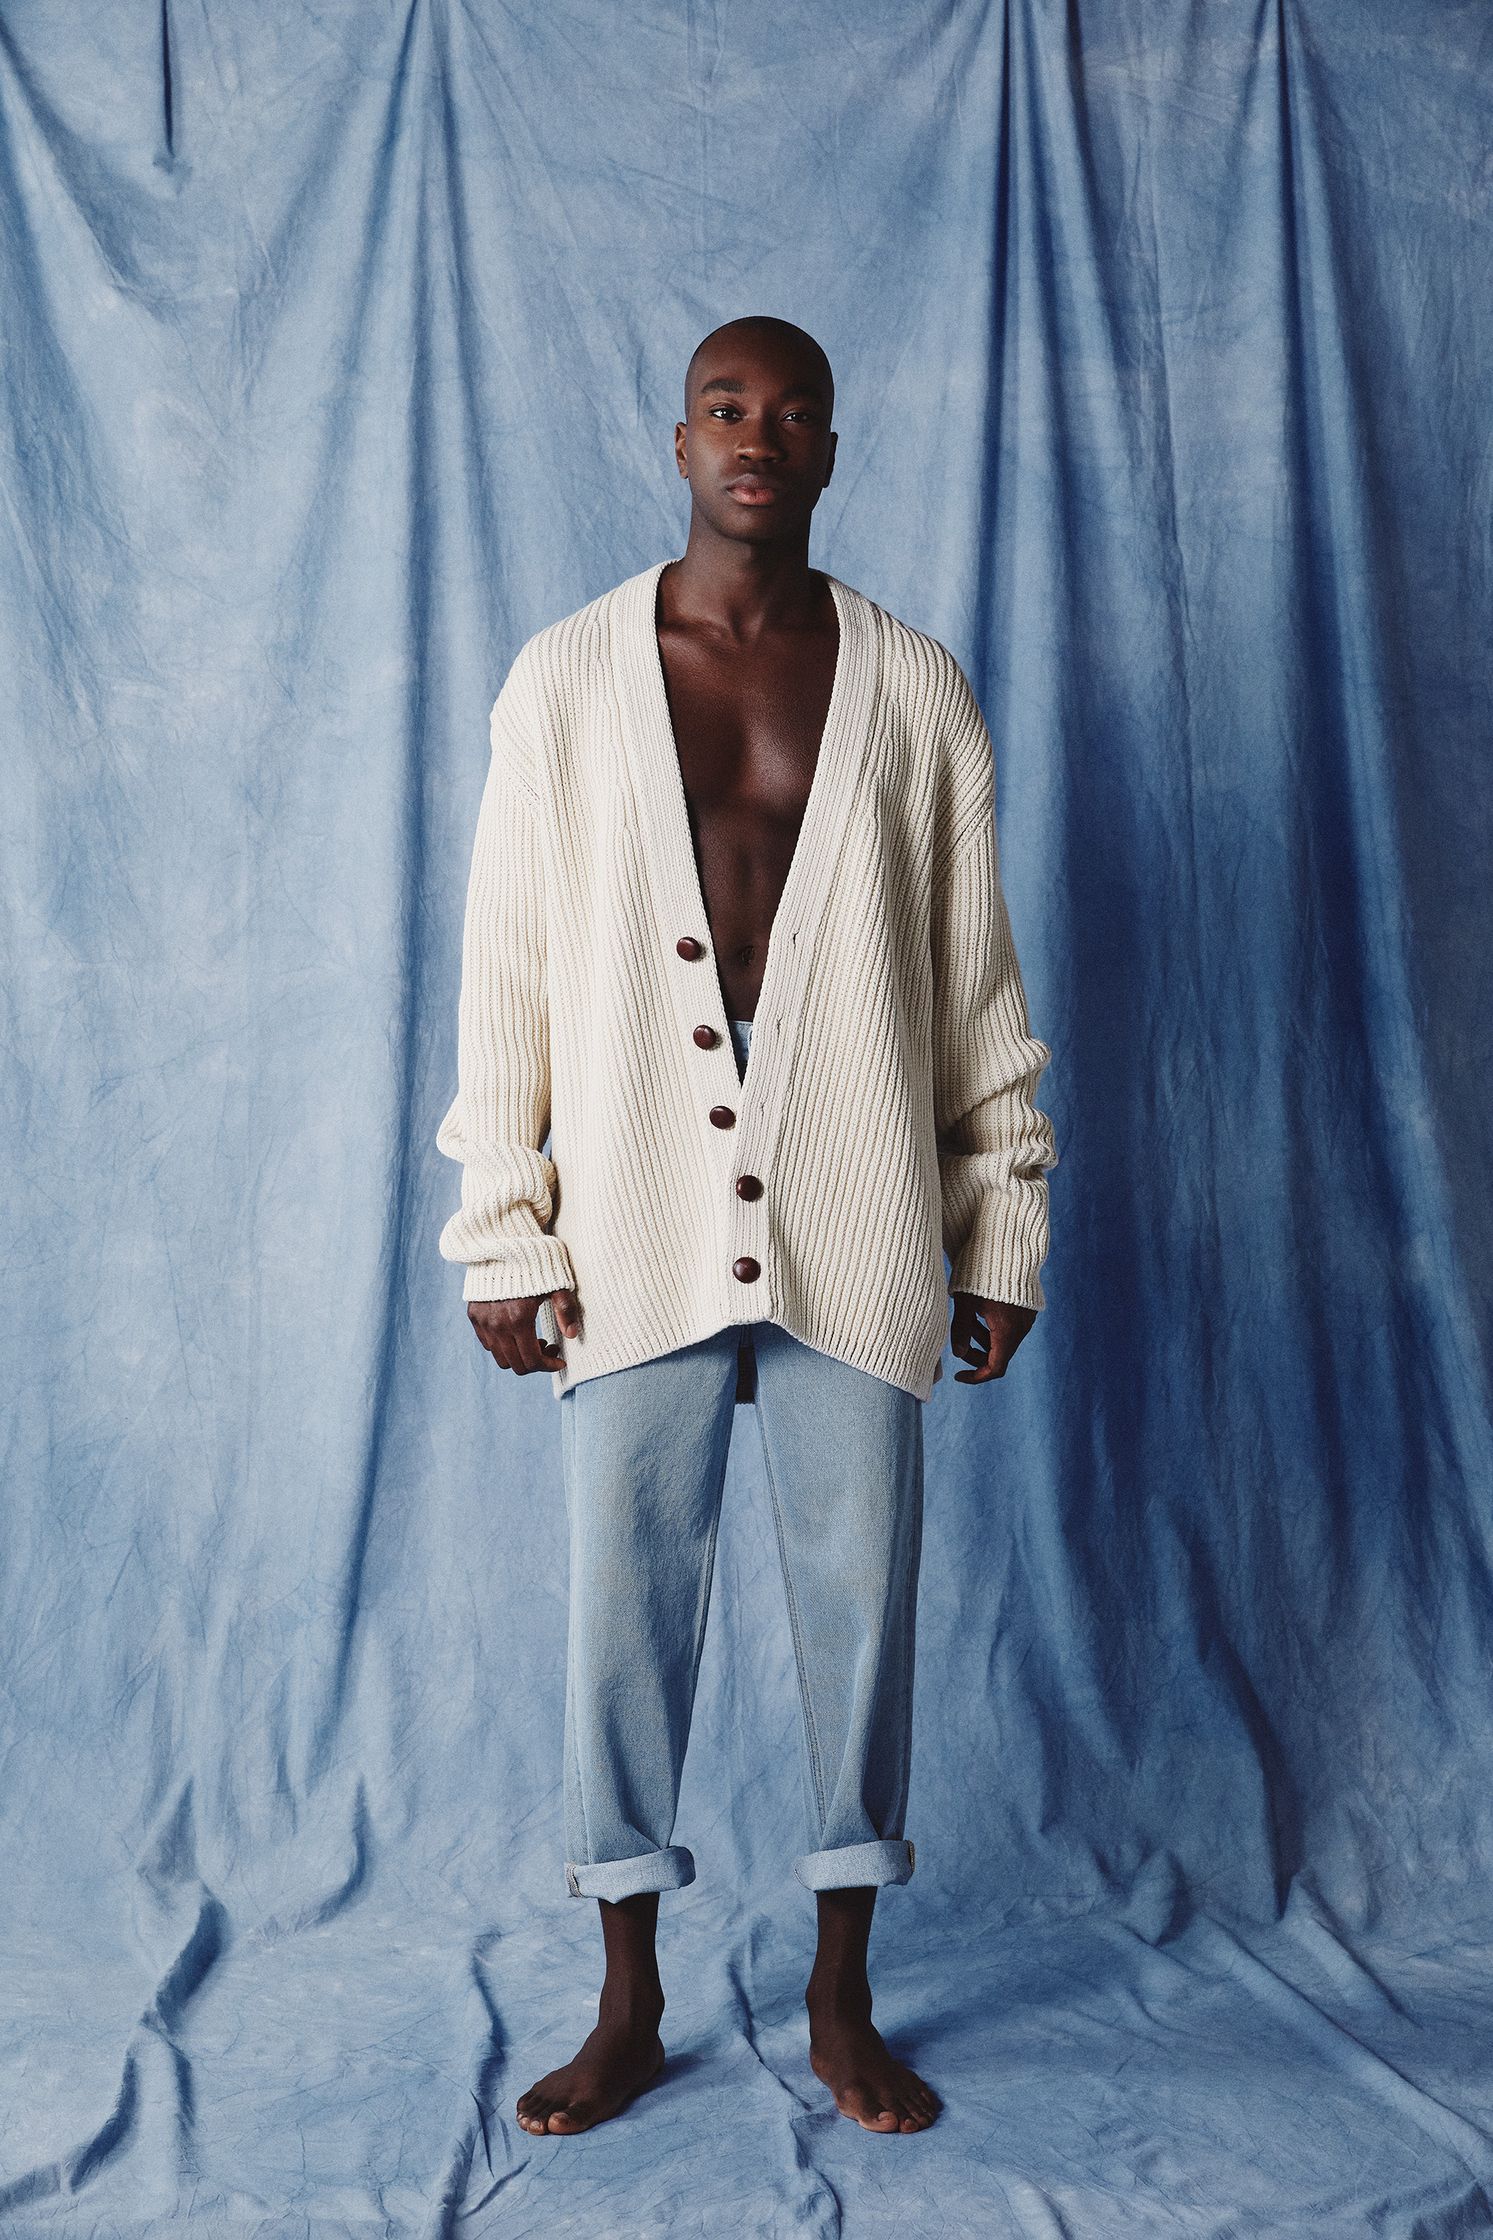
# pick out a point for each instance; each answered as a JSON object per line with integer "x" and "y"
{"x": 668, "y": 850}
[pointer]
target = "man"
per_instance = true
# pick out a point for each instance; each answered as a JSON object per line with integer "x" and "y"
{"x": 736, "y": 941}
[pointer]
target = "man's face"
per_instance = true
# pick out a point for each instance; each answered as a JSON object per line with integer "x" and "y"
{"x": 757, "y": 447}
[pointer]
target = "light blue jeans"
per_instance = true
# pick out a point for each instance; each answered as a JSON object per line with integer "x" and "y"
{"x": 644, "y": 1453}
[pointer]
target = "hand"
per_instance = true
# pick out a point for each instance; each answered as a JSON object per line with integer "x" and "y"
{"x": 987, "y": 1332}
{"x": 506, "y": 1328}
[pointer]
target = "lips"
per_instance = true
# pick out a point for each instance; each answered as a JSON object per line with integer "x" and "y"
{"x": 752, "y": 490}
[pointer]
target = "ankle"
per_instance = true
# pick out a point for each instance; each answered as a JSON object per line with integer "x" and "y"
{"x": 629, "y": 2005}
{"x": 838, "y": 1992}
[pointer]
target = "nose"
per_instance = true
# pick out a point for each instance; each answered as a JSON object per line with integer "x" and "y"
{"x": 759, "y": 442}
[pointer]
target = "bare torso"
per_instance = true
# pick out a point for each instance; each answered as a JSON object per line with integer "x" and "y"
{"x": 748, "y": 721}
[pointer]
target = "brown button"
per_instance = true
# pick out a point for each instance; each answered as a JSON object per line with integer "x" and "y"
{"x": 745, "y": 1269}
{"x": 721, "y": 1116}
{"x": 747, "y": 1186}
{"x": 689, "y": 947}
{"x": 706, "y": 1037}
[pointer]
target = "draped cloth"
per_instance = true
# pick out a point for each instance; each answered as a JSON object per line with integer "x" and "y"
{"x": 342, "y": 350}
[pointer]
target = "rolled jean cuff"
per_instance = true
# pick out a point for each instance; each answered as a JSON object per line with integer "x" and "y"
{"x": 615, "y": 1879}
{"x": 854, "y": 1866}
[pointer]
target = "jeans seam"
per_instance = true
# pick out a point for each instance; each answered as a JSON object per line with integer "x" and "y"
{"x": 708, "y": 1578}
{"x": 709, "y": 1575}
{"x": 579, "y": 1764}
{"x": 912, "y": 1554}
{"x": 571, "y": 1684}
{"x": 810, "y": 1730}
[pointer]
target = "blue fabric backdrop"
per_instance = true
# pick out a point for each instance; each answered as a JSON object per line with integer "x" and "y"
{"x": 342, "y": 349}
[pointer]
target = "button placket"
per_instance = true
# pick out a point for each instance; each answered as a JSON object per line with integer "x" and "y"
{"x": 705, "y": 1036}
{"x": 749, "y": 1220}
{"x": 745, "y": 1267}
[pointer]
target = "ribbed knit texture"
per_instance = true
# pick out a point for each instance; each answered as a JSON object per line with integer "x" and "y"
{"x": 888, "y": 1101}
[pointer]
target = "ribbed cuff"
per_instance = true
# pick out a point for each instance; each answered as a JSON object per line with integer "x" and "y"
{"x": 1002, "y": 1255}
{"x": 615, "y": 1879}
{"x": 857, "y": 1866}
{"x": 531, "y": 1270}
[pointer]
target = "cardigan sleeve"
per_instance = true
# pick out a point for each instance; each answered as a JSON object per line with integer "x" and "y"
{"x": 500, "y": 1117}
{"x": 995, "y": 1147}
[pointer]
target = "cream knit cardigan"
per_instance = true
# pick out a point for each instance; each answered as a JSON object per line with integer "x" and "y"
{"x": 887, "y": 1105}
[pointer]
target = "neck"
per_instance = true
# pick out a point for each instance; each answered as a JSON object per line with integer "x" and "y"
{"x": 740, "y": 589}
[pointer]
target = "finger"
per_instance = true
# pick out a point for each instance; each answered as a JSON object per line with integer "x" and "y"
{"x": 982, "y": 1358}
{"x": 531, "y": 1349}
{"x": 503, "y": 1349}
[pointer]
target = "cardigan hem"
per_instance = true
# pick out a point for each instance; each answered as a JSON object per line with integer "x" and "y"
{"x": 565, "y": 1379}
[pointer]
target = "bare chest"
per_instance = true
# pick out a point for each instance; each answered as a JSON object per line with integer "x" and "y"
{"x": 747, "y": 728}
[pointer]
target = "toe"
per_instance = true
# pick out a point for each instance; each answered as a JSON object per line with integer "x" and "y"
{"x": 575, "y": 2117}
{"x": 919, "y": 2100}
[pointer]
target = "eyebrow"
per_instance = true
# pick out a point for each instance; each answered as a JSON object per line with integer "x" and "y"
{"x": 800, "y": 389}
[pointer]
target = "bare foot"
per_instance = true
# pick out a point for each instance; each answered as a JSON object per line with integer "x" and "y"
{"x": 847, "y": 2053}
{"x": 616, "y": 2063}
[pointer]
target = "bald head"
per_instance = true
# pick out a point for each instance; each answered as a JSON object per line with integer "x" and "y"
{"x": 755, "y": 444}
{"x": 791, "y": 346}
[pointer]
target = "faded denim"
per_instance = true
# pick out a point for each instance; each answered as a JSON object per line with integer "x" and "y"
{"x": 644, "y": 1452}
